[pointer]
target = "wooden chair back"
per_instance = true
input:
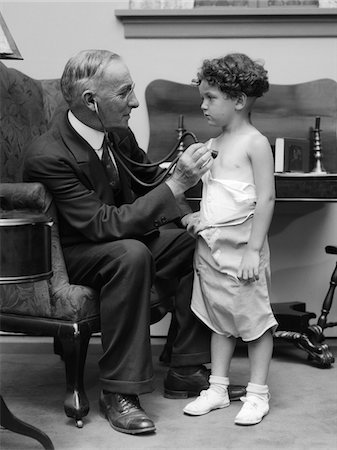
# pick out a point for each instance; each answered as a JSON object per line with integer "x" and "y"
{"x": 284, "y": 111}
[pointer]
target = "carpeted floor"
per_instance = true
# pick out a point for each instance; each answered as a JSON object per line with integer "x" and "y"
{"x": 303, "y": 405}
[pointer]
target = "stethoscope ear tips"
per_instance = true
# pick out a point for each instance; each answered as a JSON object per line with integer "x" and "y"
{"x": 214, "y": 153}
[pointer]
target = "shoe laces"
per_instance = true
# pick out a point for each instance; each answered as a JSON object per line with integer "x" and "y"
{"x": 205, "y": 393}
{"x": 253, "y": 401}
{"x": 128, "y": 402}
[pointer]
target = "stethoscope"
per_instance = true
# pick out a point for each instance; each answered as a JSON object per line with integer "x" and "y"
{"x": 123, "y": 159}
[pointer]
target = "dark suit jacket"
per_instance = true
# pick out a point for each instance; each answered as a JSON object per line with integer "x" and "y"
{"x": 88, "y": 210}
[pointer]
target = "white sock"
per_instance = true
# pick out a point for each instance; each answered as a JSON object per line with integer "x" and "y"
{"x": 258, "y": 390}
{"x": 219, "y": 384}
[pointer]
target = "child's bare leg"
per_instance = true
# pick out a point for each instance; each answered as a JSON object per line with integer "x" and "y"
{"x": 222, "y": 348}
{"x": 260, "y": 353}
{"x": 256, "y": 402}
{"x": 216, "y": 396}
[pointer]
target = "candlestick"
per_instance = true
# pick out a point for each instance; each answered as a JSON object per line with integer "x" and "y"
{"x": 317, "y": 147}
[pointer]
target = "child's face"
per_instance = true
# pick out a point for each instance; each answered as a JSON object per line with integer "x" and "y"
{"x": 218, "y": 109}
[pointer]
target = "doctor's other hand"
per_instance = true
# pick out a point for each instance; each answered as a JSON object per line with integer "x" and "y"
{"x": 191, "y": 166}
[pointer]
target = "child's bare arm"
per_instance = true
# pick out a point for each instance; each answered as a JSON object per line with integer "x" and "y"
{"x": 261, "y": 158}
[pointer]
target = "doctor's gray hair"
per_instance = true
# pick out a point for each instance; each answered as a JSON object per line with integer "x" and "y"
{"x": 82, "y": 71}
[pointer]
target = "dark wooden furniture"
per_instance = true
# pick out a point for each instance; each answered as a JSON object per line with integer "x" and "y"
{"x": 285, "y": 111}
{"x": 294, "y": 323}
{"x": 12, "y": 423}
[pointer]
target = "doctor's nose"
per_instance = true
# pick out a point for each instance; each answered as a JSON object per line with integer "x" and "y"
{"x": 133, "y": 101}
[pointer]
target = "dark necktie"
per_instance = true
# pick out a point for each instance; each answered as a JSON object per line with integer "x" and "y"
{"x": 110, "y": 168}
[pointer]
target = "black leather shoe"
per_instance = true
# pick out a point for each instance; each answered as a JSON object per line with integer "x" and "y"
{"x": 184, "y": 386}
{"x": 125, "y": 414}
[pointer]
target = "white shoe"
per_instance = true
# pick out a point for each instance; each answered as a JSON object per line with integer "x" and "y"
{"x": 207, "y": 401}
{"x": 252, "y": 411}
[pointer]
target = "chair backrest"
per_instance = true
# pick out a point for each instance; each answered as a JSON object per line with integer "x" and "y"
{"x": 27, "y": 106}
{"x": 284, "y": 111}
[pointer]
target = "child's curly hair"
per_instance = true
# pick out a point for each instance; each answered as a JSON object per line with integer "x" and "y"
{"x": 233, "y": 74}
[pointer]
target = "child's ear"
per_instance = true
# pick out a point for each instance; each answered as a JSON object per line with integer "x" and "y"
{"x": 241, "y": 101}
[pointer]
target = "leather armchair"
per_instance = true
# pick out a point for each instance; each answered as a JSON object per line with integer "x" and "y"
{"x": 69, "y": 313}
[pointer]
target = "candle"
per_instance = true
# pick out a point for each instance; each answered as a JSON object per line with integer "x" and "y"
{"x": 317, "y": 123}
{"x": 181, "y": 121}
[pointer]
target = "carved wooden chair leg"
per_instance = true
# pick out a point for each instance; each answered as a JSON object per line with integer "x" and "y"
{"x": 319, "y": 353}
{"x": 75, "y": 347}
{"x": 310, "y": 338}
{"x": 316, "y": 332}
{"x": 294, "y": 328}
{"x": 12, "y": 423}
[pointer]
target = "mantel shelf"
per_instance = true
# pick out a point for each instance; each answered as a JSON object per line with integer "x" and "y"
{"x": 228, "y": 22}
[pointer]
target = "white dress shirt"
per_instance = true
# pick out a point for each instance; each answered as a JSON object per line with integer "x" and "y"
{"x": 93, "y": 137}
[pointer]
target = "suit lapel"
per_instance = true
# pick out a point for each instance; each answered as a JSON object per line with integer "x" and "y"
{"x": 77, "y": 146}
{"x": 91, "y": 171}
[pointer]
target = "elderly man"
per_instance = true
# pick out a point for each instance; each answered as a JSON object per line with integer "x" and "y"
{"x": 119, "y": 232}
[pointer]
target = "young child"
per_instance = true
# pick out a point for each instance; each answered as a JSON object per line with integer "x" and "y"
{"x": 232, "y": 271}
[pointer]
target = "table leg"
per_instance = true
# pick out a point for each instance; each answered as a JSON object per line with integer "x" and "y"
{"x": 12, "y": 423}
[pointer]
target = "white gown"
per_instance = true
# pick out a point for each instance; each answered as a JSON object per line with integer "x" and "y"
{"x": 224, "y": 303}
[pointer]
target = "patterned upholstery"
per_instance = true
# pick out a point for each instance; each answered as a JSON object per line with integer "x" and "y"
{"x": 27, "y": 107}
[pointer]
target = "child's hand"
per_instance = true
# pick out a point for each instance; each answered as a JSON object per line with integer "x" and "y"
{"x": 190, "y": 222}
{"x": 185, "y": 220}
{"x": 249, "y": 267}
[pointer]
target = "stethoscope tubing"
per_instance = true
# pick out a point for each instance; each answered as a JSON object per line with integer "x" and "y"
{"x": 122, "y": 159}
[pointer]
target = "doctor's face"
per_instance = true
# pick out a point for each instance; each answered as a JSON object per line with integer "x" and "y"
{"x": 115, "y": 96}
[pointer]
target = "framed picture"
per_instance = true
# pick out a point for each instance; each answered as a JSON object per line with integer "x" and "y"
{"x": 297, "y": 156}
{"x": 292, "y": 155}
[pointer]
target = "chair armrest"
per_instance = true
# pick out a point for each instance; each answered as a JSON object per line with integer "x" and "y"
{"x": 31, "y": 196}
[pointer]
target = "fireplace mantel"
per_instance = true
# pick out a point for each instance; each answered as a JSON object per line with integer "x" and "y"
{"x": 228, "y": 22}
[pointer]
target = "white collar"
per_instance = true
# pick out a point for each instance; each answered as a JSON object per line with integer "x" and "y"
{"x": 93, "y": 137}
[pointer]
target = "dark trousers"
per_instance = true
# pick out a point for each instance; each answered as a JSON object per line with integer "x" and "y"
{"x": 123, "y": 271}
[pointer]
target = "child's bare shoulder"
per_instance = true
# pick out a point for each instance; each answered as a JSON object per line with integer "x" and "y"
{"x": 258, "y": 141}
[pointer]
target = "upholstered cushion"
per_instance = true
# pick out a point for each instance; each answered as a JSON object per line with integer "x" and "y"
{"x": 24, "y": 196}
{"x": 68, "y": 301}
{"x": 22, "y": 119}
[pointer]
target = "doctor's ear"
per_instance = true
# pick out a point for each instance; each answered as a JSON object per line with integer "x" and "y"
{"x": 89, "y": 100}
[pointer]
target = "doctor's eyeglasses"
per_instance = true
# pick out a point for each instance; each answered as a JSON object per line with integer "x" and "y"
{"x": 125, "y": 92}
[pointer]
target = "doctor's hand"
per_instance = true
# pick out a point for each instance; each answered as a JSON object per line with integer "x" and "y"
{"x": 191, "y": 166}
